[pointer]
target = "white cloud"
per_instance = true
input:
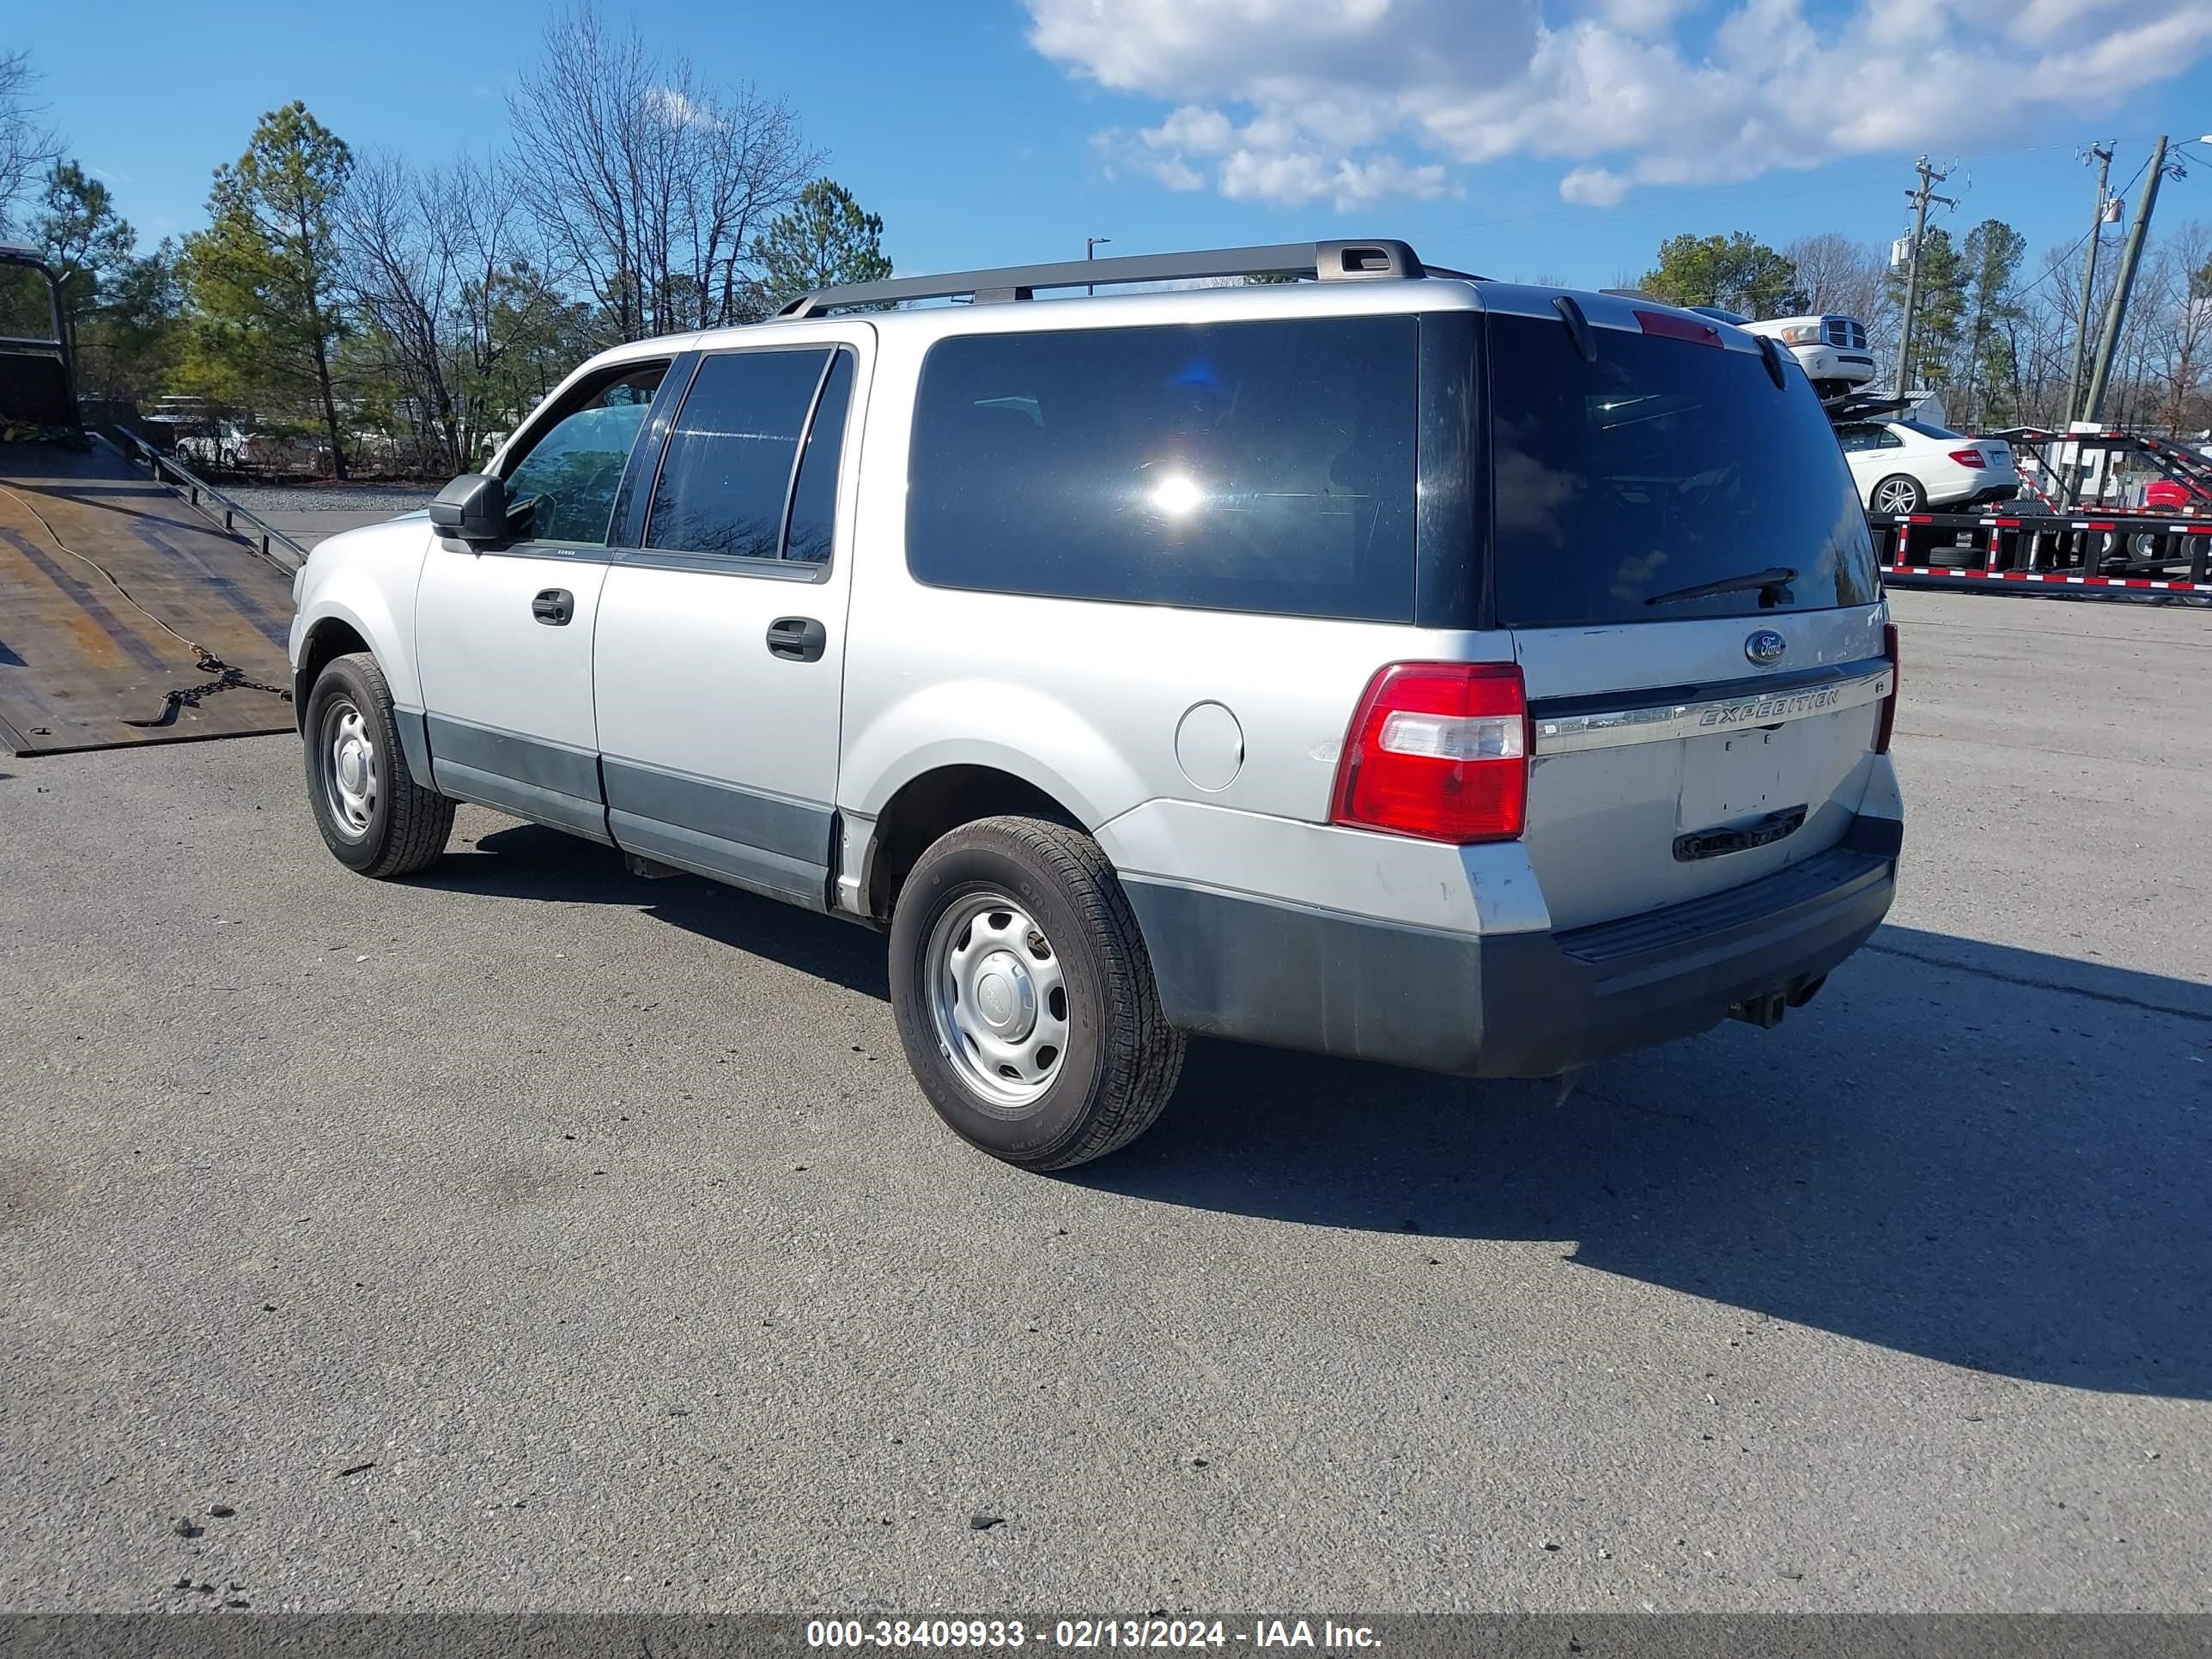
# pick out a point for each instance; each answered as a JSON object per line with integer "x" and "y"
{"x": 1359, "y": 100}
{"x": 1267, "y": 160}
{"x": 680, "y": 107}
{"x": 1594, "y": 187}
{"x": 1204, "y": 131}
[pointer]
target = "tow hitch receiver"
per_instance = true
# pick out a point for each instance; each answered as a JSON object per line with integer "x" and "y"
{"x": 1766, "y": 1009}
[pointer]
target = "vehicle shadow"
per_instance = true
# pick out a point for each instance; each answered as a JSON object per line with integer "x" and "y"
{"x": 1989, "y": 1157}
{"x": 529, "y": 861}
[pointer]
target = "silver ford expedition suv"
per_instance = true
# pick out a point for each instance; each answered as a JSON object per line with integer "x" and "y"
{"x": 1389, "y": 663}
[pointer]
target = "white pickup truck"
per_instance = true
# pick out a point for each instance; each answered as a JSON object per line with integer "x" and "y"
{"x": 1831, "y": 349}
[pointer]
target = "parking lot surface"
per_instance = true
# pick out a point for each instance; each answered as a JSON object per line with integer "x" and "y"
{"x": 529, "y": 1236}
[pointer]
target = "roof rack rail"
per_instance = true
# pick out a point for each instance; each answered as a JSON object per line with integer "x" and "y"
{"x": 1327, "y": 261}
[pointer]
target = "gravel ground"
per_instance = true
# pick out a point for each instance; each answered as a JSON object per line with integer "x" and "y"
{"x": 532, "y": 1236}
{"x": 382, "y": 498}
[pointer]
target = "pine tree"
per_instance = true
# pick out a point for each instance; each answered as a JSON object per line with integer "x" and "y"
{"x": 825, "y": 241}
{"x": 1994, "y": 251}
{"x": 1938, "y": 324}
{"x": 264, "y": 276}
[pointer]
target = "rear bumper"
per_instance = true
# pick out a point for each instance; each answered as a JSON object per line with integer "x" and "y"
{"x": 1513, "y": 1004}
{"x": 1964, "y": 488}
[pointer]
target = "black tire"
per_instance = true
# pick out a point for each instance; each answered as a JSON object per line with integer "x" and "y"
{"x": 1912, "y": 495}
{"x": 406, "y": 826}
{"x": 1121, "y": 1057}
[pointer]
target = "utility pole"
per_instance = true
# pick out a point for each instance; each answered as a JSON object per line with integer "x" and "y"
{"x": 2116, "y": 313}
{"x": 2103, "y": 155}
{"x": 1930, "y": 177}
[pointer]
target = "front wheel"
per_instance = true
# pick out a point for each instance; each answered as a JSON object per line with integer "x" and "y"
{"x": 1025, "y": 998}
{"x": 1899, "y": 493}
{"x": 374, "y": 816}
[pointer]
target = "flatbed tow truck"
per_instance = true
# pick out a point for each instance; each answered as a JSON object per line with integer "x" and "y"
{"x": 129, "y": 612}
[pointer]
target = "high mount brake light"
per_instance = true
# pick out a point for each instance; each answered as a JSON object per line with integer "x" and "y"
{"x": 1439, "y": 750}
{"x": 1672, "y": 327}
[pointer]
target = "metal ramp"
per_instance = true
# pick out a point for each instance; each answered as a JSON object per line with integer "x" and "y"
{"x": 125, "y": 616}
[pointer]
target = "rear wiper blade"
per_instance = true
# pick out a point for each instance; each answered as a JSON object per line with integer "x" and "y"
{"x": 1775, "y": 576}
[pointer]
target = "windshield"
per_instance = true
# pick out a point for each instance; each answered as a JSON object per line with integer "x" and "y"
{"x": 1663, "y": 465}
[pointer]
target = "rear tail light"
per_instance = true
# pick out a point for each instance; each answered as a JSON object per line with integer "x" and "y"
{"x": 1887, "y": 723}
{"x": 1967, "y": 457}
{"x": 1439, "y": 750}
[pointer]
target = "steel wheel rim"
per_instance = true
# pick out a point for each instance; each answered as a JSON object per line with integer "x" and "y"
{"x": 1896, "y": 498}
{"x": 350, "y": 776}
{"x": 998, "y": 1000}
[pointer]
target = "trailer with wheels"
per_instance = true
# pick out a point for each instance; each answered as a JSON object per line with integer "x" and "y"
{"x": 2080, "y": 525}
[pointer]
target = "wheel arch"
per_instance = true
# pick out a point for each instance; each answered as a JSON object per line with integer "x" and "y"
{"x": 325, "y": 639}
{"x": 935, "y": 802}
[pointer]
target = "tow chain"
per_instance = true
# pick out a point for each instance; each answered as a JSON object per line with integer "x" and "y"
{"x": 226, "y": 678}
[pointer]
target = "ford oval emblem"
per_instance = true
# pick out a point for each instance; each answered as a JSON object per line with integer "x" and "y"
{"x": 1766, "y": 646}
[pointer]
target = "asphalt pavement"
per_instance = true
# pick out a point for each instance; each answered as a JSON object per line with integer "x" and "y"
{"x": 529, "y": 1236}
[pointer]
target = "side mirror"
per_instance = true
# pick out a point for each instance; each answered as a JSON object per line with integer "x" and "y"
{"x": 473, "y": 508}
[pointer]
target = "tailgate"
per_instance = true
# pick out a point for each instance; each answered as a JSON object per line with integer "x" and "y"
{"x": 1666, "y": 767}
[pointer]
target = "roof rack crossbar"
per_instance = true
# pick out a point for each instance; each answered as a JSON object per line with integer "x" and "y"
{"x": 1327, "y": 261}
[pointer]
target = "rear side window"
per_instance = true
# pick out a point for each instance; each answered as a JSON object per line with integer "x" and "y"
{"x": 814, "y": 498}
{"x": 1665, "y": 464}
{"x": 1264, "y": 466}
{"x": 726, "y": 480}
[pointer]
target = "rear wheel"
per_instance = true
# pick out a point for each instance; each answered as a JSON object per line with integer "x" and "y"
{"x": 1024, "y": 998}
{"x": 1899, "y": 493}
{"x": 374, "y": 818}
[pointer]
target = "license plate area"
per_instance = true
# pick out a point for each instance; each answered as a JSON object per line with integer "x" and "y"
{"x": 1730, "y": 779}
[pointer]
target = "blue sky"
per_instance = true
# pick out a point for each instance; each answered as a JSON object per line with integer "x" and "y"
{"x": 1559, "y": 138}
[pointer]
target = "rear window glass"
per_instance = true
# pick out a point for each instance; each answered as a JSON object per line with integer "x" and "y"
{"x": 1262, "y": 467}
{"x": 1927, "y": 431}
{"x": 1663, "y": 465}
{"x": 26, "y": 303}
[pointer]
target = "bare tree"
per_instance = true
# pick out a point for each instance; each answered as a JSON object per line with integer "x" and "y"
{"x": 444, "y": 275}
{"x": 28, "y": 146}
{"x": 1848, "y": 277}
{"x": 2181, "y": 350}
{"x": 649, "y": 183}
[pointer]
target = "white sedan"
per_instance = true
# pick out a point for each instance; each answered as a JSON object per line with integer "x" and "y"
{"x": 1903, "y": 466}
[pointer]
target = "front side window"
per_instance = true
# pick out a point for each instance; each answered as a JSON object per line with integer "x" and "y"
{"x": 726, "y": 482}
{"x": 563, "y": 489}
{"x": 1260, "y": 467}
